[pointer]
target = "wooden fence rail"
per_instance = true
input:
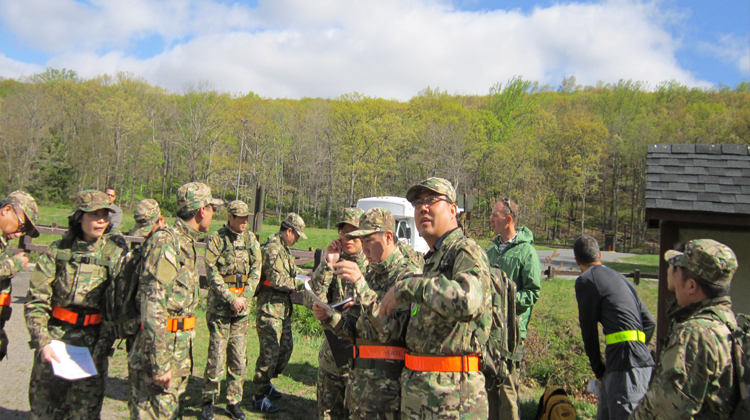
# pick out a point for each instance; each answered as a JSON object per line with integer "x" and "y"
{"x": 636, "y": 275}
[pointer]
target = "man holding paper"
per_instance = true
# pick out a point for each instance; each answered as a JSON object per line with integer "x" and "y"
{"x": 330, "y": 288}
{"x": 373, "y": 391}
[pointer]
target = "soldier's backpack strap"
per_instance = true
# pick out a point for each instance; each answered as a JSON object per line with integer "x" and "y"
{"x": 177, "y": 246}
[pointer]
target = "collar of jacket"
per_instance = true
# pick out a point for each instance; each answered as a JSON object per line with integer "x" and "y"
{"x": 447, "y": 237}
{"x": 389, "y": 262}
{"x": 187, "y": 230}
{"x": 277, "y": 238}
{"x": 358, "y": 258}
{"x": 678, "y": 314}
{"x": 230, "y": 232}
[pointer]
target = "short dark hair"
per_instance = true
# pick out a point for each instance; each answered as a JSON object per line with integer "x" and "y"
{"x": 284, "y": 227}
{"x": 187, "y": 214}
{"x": 4, "y": 203}
{"x": 711, "y": 290}
{"x": 110, "y": 188}
{"x": 74, "y": 225}
{"x": 586, "y": 249}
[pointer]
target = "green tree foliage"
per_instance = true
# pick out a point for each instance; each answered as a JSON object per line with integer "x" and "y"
{"x": 572, "y": 156}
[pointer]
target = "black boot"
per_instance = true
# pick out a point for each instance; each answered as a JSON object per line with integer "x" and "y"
{"x": 235, "y": 411}
{"x": 208, "y": 412}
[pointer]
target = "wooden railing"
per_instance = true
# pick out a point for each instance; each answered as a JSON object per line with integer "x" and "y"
{"x": 636, "y": 275}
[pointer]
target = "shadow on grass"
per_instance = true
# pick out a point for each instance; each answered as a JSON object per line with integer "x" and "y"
{"x": 117, "y": 389}
{"x": 6, "y": 414}
{"x": 304, "y": 373}
{"x": 528, "y": 409}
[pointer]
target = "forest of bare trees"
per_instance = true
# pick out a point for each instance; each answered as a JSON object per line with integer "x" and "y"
{"x": 572, "y": 156}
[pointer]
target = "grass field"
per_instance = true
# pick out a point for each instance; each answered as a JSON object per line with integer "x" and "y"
{"x": 554, "y": 351}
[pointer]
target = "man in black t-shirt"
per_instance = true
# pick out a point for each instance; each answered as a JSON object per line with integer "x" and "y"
{"x": 606, "y": 297}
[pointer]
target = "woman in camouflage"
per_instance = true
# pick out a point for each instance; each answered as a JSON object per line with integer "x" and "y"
{"x": 65, "y": 302}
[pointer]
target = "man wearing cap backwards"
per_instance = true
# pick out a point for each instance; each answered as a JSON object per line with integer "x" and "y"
{"x": 695, "y": 376}
{"x": 148, "y": 220}
{"x": 65, "y": 302}
{"x": 274, "y": 310}
{"x": 451, "y": 313}
{"x": 606, "y": 297}
{"x": 168, "y": 297}
{"x": 373, "y": 391}
{"x": 332, "y": 289}
{"x": 18, "y": 213}
{"x": 233, "y": 260}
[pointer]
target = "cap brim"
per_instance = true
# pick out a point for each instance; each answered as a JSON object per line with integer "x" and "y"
{"x": 360, "y": 233}
{"x": 676, "y": 258}
{"x": 301, "y": 234}
{"x": 215, "y": 202}
{"x": 141, "y": 230}
{"x": 414, "y": 192}
{"x": 31, "y": 230}
{"x": 240, "y": 214}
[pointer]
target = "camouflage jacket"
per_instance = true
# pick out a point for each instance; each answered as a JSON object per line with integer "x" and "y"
{"x": 369, "y": 290}
{"x": 10, "y": 265}
{"x": 417, "y": 258}
{"x": 278, "y": 267}
{"x": 229, "y": 254}
{"x": 73, "y": 274}
{"x": 450, "y": 299}
{"x": 376, "y": 390}
{"x": 328, "y": 287}
{"x": 168, "y": 289}
{"x": 695, "y": 375}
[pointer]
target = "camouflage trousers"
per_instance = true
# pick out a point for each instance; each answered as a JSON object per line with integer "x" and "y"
{"x": 331, "y": 395}
{"x": 51, "y": 397}
{"x": 3, "y": 343}
{"x": 331, "y": 385}
{"x": 276, "y": 344}
{"x": 373, "y": 394}
{"x": 502, "y": 398}
{"x": 443, "y": 395}
{"x": 227, "y": 347}
{"x": 152, "y": 402}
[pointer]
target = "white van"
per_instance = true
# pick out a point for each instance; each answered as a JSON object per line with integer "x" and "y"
{"x": 403, "y": 212}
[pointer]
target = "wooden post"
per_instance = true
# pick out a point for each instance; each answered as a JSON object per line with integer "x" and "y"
{"x": 637, "y": 277}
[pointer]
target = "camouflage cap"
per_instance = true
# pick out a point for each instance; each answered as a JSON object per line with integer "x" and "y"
{"x": 349, "y": 215}
{"x": 91, "y": 200}
{"x": 373, "y": 221}
{"x": 710, "y": 260}
{"x": 438, "y": 185}
{"x": 238, "y": 208}
{"x": 146, "y": 215}
{"x": 26, "y": 202}
{"x": 195, "y": 195}
{"x": 293, "y": 220}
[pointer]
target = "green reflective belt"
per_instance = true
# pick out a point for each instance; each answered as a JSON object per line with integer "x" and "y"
{"x": 619, "y": 337}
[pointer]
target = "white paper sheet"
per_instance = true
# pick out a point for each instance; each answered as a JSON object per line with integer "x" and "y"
{"x": 317, "y": 300}
{"x": 75, "y": 362}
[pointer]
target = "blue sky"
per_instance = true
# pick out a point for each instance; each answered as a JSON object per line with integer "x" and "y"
{"x": 386, "y": 48}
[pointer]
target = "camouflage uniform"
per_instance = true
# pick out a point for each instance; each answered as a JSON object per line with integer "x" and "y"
{"x": 274, "y": 306}
{"x": 71, "y": 275}
{"x": 146, "y": 215}
{"x": 416, "y": 258}
{"x": 695, "y": 375}
{"x": 233, "y": 261}
{"x": 451, "y": 316}
{"x": 331, "y": 384}
{"x": 168, "y": 297}
{"x": 10, "y": 264}
{"x": 373, "y": 391}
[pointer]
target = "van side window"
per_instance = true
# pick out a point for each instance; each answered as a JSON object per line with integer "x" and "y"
{"x": 403, "y": 230}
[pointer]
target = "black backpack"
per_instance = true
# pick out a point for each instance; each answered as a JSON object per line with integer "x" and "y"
{"x": 122, "y": 310}
{"x": 741, "y": 362}
{"x": 502, "y": 345}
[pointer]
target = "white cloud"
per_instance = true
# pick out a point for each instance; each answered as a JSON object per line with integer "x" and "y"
{"x": 17, "y": 69}
{"x": 730, "y": 49}
{"x": 386, "y": 48}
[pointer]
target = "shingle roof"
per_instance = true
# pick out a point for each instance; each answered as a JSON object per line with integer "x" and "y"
{"x": 698, "y": 177}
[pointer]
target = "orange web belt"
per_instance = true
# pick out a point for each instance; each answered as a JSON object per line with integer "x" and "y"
{"x": 58, "y": 312}
{"x": 379, "y": 352}
{"x": 4, "y": 299}
{"x": 186, "y": 323}
{"x": 469, "y": 363}
{"x": 237, "y": 290}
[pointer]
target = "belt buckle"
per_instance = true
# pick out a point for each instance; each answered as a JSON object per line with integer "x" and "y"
{"x": 181, "y": 325}
{"x": 80, "y": 319}
{"x": 86, "y": 260}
